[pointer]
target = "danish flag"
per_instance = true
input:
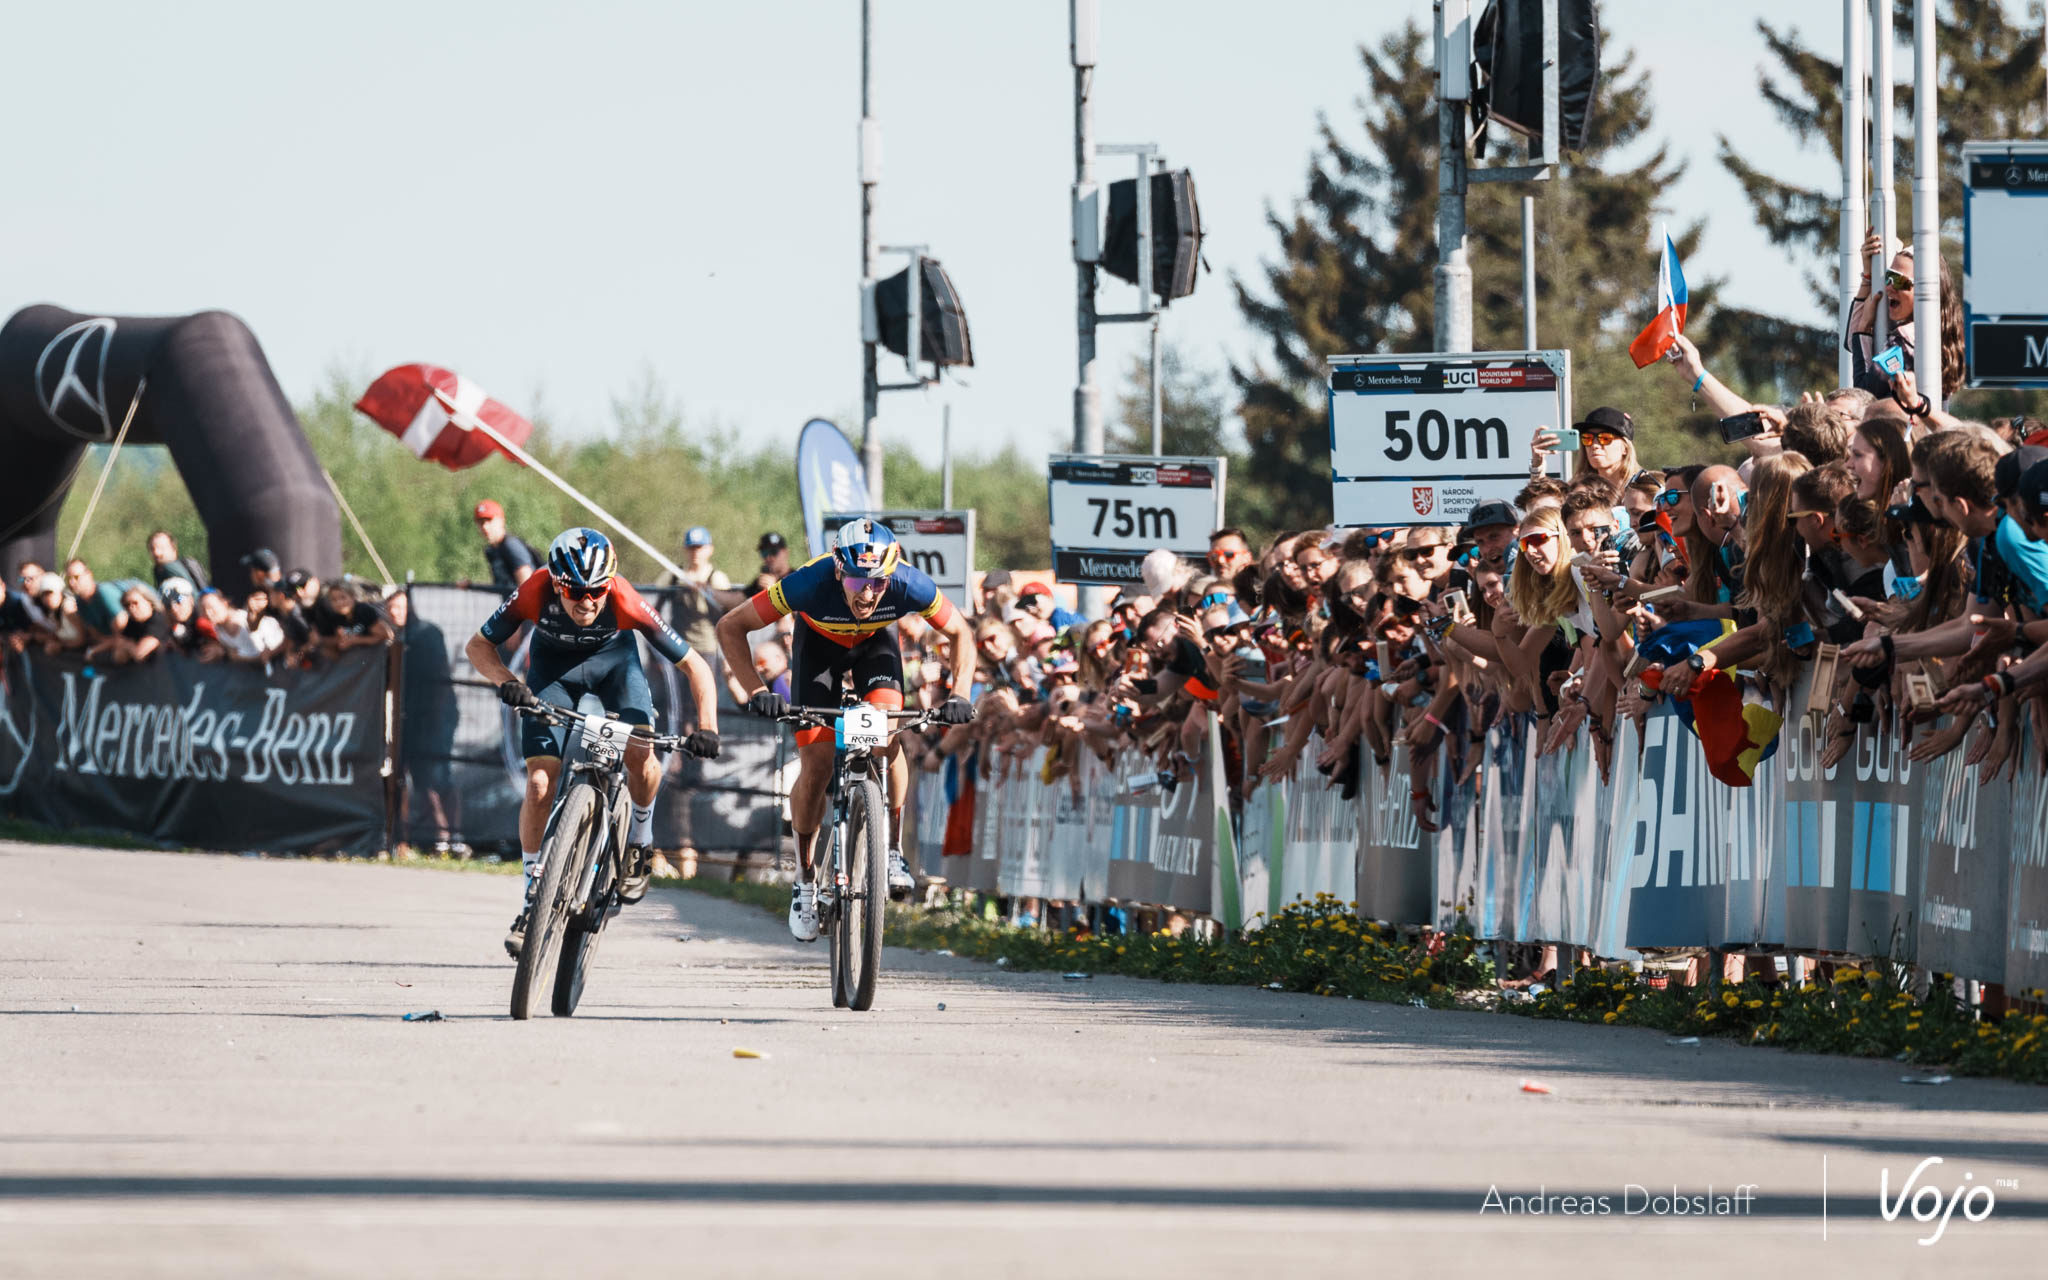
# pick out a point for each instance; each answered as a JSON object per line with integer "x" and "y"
{"x": 403, "y": 402}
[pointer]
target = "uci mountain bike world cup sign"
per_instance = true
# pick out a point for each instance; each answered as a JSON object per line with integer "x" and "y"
{"x": 1108, "y": 510}
{"x": 1422, "y": 439}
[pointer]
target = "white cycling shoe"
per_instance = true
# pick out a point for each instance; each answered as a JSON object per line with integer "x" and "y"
{"x": 803, "y": 912}
{"x": 900, "y": 879}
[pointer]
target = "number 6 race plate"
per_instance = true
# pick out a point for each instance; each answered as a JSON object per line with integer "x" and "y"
{"x": 602, "y": 731}
{"x": 1422, "y": 439}
{"x": 1108, "y": 511}
{"x": 861, "y": 725}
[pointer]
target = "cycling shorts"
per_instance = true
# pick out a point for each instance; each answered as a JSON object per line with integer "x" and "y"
{"x": 818, "y": 667}
{"x": 611, "y": 673}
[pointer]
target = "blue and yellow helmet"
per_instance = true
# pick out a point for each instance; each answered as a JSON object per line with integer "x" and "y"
{"x": 865, "y": 549}
{"x": 583, "y": 558}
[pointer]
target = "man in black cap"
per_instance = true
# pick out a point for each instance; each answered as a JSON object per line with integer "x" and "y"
{"x": 774, "y": 550}
{"x": 1491, "y": 530}
{"x": 265, "y": 572}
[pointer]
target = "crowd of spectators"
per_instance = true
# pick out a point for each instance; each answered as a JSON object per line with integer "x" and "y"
{"x": 270, "y": 618}
{"x": 1891, "y": 550}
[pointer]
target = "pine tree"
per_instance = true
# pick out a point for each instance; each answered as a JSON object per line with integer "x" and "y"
{"x": 1358, "y": 252}
{"x": 1991, "y": 77}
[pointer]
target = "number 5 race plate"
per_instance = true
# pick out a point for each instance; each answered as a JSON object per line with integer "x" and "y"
{"x": 1109, "y": 510}
{"x": 1423, "y": 439}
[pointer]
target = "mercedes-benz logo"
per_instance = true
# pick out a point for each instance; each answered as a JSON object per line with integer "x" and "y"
{"x": 2013, "y": 175}
{"x": 73, "y": 391}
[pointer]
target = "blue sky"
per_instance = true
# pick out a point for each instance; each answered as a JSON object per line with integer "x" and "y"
{"x": 558, "y": 201}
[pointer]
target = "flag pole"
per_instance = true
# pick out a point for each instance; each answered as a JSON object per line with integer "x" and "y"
{"x": 478, "y": 424}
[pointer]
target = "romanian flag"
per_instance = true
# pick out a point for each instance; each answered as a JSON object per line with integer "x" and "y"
{"x": 1737, "y": 729}
{"x": 1655, "y": 339}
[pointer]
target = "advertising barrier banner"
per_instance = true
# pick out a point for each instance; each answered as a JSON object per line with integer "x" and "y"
{"x": 211, "y": 755}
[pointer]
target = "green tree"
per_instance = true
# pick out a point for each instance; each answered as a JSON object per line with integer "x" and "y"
{"x": 1357, "y": 254}
{"x": 1990, "y": 72}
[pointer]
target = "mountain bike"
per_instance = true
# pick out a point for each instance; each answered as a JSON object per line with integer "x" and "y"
{"x": 853, "y": 875}
{"x": 582, "y": 856}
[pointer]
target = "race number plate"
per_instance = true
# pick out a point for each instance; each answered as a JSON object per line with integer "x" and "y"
{"x": 602, "y": 731}
{"x": 863, "y": 726}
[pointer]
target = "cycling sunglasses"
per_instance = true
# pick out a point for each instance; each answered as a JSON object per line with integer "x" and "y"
{"x": 583, "y": 593}
{"x": 1893, "y": 280}
{"x": 865, "y": 584}
{"x": 1215, "y": 598}
{"x": 1536, "y": 538}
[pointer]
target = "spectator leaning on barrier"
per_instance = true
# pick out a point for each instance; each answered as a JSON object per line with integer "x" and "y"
{"x": 22, "y": 620}
{"x": 166, "y": 562}
{"x": 99, "y": 603}
{"x": 230, "y": 629}
{"x": 510, "y": 559}
{"x": 145, "y": 630}
{"x": 181, "y": 608}
{"x": 349, "y": 623}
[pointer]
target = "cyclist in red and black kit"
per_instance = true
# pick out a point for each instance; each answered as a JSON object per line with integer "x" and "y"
{"x": 584, "y": 617}
{"x": 849, "y": 602}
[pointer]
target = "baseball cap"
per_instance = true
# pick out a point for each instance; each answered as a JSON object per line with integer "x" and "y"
{"x": 49, "y": 582}
{"x": 697, "y": 536}
{"x": 175, "y": 589}
{"x": 262, "y": 558}
{"x": 2033, "y": 486}
{"x": 2010, "y": 467}
{"x": 1033, "y": 589}
{"x": 488, "y": 509}
{"x": 298, "y": 578}
{"x": 994, "y": 579}
{"x": 771, "y": 543}
{"x": 1489, "y": 514}
{"x": 1606, "y": 419}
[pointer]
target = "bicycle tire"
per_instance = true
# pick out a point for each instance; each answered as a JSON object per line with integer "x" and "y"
{"x": 837, "y": 943}
{"x": 562, "y": 860}
{"x": 579, "y": 940}
{"x": 867, "y": 896}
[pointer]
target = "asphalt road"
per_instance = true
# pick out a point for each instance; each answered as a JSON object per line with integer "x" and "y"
{"x": 204, "y": 1071}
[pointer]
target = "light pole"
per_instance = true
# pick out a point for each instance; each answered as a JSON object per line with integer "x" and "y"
{"x": 870, "y": 178}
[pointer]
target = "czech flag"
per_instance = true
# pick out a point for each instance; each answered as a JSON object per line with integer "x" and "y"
{"x": 1656, "y": 338}
{"x": 1737, "y": 729}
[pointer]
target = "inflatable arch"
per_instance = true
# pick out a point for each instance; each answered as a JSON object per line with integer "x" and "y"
{"x": 67, "y": 381}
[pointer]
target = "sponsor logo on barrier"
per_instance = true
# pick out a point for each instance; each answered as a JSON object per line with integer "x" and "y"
{"x": 1927, "y": 1205}
{"x": 155, "y": 741}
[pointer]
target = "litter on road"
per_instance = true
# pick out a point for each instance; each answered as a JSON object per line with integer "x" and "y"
{"x": 748, "y": 1053}
{"x": 425, "y": 1015}
{"x": 1534, "y": 1086}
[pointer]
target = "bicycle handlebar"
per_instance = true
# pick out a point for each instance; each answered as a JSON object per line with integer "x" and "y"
{"x": 566, "y": 718}
{"x": 822, "y": 717}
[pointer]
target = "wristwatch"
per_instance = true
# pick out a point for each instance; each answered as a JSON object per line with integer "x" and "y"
{"x": 1698, "y": 662}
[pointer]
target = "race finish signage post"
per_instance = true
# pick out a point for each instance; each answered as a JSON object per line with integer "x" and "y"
{"x": 1108, "y": 510}
{"x": 940, "y": 543}
{"x": 1422, "y": 439}
{"x": 2005, "y": 264}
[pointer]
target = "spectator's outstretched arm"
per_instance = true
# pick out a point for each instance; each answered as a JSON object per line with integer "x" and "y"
{"x": 1686, "y": 358}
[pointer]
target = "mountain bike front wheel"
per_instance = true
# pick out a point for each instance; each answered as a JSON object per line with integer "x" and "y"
{"x": 857, "y": 932}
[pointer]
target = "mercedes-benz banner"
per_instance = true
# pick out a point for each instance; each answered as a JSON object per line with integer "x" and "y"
{"x": 1109, "y": 510}
{"x": 1422, "y": 439}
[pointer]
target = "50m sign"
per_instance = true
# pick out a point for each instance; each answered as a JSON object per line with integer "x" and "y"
{"x": 1426, "y": 438}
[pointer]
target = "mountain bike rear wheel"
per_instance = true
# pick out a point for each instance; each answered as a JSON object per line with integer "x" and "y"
{"x": 859, "y": 926}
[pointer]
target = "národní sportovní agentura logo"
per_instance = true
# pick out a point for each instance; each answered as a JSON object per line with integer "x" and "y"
{"x": 1424, "y": 498}
{"x": 1926, "y": 1204}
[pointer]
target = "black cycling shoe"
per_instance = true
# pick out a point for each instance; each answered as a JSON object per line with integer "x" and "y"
{"x": 515, "y": 941}
{"x": 639, "y": 870}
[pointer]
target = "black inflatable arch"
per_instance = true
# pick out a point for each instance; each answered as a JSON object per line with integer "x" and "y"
{"x": 66, "y": 382}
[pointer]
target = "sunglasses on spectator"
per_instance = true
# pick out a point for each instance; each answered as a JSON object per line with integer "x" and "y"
{"x": 1215, "y": 598}
{"x": 582, "y": 593}
{"x": 1416, "y": 555}
{"x": 1598, "y": 439}
{"x": 1536, "y": 539}
{"x": 1893, "y": 280}
{"x": 1793, "y": 517}
{"x": 1670, "y": 497}
{"x": 1597, "y": 530}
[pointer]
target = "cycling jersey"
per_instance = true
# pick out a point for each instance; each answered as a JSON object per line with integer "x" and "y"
{"x": 554, "y": 631}
{"x": 813, "y": 593}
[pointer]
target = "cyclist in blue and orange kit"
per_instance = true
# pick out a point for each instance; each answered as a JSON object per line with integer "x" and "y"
{"x": 849, "y": 601}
